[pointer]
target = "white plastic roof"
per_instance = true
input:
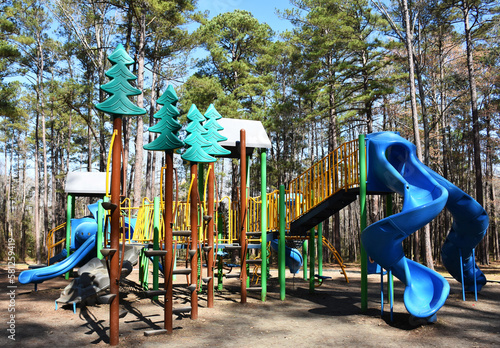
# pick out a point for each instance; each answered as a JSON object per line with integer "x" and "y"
{"x": 86, "y": 183}
{"x": 256, "y": 136}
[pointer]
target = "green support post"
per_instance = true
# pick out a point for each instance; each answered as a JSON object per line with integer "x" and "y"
{"x": 156, "y": 242}
{"x": 304, "y": 257}
{"x": 281, "y": 243}
{"x": 263, "y": 224}
{"x": 312, "y": 259}
{"x": 320, "y": 248}
{"x": 144, "y": 270}
{"x": 70, "y": 213}
{"x": 362, "y": 200}
{"x": 220, "y": 235}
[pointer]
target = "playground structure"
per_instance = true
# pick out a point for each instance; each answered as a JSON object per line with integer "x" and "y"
{"x": 386, "y": 164}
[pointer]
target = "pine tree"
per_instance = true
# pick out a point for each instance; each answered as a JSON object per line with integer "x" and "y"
{"x": 213, "y": 136}
{"x": 197, "y": 144}
{"x": 119, "y": 87}
{"x": 168, "y": 126}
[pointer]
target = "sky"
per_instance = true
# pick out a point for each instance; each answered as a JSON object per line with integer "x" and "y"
{"x": 263, "y": 10}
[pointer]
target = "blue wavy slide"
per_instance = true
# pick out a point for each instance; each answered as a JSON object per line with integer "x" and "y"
{"x": 39, "y": 275}
{"x": 470, "y": 224}
{"x": 293, "y": 257}
{"x": 394, "y": 167}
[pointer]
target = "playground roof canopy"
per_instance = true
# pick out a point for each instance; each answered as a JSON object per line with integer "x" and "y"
{"x": 86, "y": 184}
{"x": 256, "y": 136}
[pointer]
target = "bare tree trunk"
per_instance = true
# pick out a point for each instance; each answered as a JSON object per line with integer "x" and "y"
{"x": 23, "y": 209}
{"x": 140, "y": 103}
{"x": 490, "y": 193}
{"x": 36, "y": 216}
{"x": 53, "y": 153}
{"x": 421, "y": 94}
{"x": 44, "y": 140}
{"x": 409, "y": 47}
{"x": 7, "y": 200}
{"x": 466, "y": 8}
{"x": 332, "y": 145}
{"x": 150, "y": 170}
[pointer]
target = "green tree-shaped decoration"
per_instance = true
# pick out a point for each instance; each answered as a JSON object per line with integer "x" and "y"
{"x": 213, "y": 136}
{"x": 168, "y": 126}
{"x": 119, "y": 87}
{"x": 197, "y": 144}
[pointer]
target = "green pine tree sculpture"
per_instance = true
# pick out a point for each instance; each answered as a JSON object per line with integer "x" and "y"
{"x": 197, "y": 144}
{"x": 168, "y": 126}
{"x": 119, "y": 87}
{"x": 213, "y": 136}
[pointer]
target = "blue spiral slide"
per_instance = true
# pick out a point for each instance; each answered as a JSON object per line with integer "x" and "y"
{"x": 393, "y": 166}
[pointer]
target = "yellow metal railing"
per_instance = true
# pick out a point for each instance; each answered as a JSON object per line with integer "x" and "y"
{"x": 337, "y": 171}
{"x": 144, "y": 224}
{"x": 273, "y": 211}
{"x": 51, "y": 243}
{"x": 253, "y": 214}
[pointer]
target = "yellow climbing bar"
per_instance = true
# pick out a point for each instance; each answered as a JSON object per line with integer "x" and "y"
{"x": 51, "y": 243}
{"x": 337, "y": 257}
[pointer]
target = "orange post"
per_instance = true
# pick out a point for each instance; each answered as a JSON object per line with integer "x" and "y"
{"x": 210, "y": 235}
{"x": 114, "y": 271}
{"x": 194, "y": 239}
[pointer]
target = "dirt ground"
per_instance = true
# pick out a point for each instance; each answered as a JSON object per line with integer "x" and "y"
{"x": 331, "y": 316}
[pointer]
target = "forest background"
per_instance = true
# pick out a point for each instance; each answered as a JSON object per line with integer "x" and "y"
{"x": 428, "y": 69}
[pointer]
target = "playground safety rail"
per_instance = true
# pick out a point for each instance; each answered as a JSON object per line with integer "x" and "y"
{"x": 51, "y": 243}
{"x": 337, "y": 171}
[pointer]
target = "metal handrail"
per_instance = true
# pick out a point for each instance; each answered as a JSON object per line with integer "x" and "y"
{"x": 337, "y": 171}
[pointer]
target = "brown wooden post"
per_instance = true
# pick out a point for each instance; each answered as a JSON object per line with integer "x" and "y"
{"x": 243, "y": 226}
{"x": 114, "y": 271}
{"x": 168, "y": 240}
{"x": 210, "y": 235}
{"x": 194, "y": 238}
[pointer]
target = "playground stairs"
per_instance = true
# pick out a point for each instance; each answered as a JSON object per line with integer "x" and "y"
{"x": 184, "y": 237}
{"x": 322, "y": 211}
{"x": 323, "y": 189}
